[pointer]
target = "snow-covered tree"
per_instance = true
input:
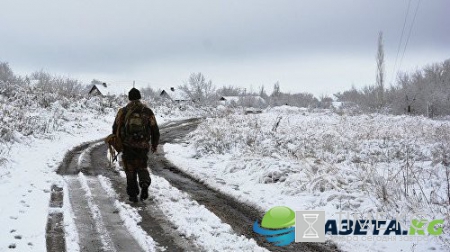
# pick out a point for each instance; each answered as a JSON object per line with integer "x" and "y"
{"x": 229, "y": 91}
{"x": 199, "y": 90}
{"x": 423, "y": 92}
{"x": 56, "y": 84}
{"x": 9, "y": 82}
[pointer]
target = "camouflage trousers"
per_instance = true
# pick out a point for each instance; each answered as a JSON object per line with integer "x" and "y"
{"x": 135, "y": 166}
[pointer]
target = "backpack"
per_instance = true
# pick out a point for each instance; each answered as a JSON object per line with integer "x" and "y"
{"x": 136, "y": 127}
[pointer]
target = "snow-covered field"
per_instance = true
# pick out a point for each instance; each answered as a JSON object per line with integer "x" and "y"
{"x": 284, "y": 156}
{"x": 324, "y": 161}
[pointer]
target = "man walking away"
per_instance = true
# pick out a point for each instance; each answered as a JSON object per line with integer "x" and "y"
{"x": 135, "y": 125}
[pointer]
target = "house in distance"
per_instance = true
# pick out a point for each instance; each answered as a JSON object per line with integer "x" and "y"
{"x": 254, "y": 101}
{"x": 175, "y": 95}
{"x": 99, "y": 89}
{"x": 116, "y": 89}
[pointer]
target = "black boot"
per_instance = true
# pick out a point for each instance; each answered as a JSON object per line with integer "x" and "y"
{"x": 132, "y": 186}
{"x": 144, "y": 191}
{"x": 133, "y": 199}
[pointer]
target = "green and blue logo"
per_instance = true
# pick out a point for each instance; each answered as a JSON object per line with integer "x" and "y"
{"x": 277, "y": 226}
{"x": 282, "y": 226}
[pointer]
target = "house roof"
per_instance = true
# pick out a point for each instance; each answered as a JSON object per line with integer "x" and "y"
{"x": 230, "y": 98}
{"x": 116, "y": 89}
{"x": 238, "y": 98}
{"x": 176, "y": 94}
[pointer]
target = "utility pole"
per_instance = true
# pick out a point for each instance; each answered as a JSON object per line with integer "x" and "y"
{"x": 380, "y": 71}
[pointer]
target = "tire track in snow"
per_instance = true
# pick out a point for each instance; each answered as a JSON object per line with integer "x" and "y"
{"x": 179, "y": 230}
{"x": 83, "y": 218}
{"x": 107, "y": 243}
{"x": 91, "y": 202}
{"x": 196, "y": 222}
{"x": 128, "y": 214}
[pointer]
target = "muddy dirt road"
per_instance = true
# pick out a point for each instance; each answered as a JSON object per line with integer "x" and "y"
{"x": 97, "y": 218}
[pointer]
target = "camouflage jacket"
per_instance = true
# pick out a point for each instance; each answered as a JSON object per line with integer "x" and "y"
{"x": 119, "y": 125}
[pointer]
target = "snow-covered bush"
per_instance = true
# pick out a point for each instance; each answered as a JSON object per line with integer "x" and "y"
{"x": 168, "y": 109}
{"x": 392, "y": 163}
{"x": 32, "y": 112}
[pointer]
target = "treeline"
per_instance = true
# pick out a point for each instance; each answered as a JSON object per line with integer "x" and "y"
{"x": 39, "y": 87}
{"x": 203, "y": 92}
{"x": 39, "y": 81}
{"x": 36, "y": 104}
{"x": 424, "y": 92}
{"x": 49, "y": 88}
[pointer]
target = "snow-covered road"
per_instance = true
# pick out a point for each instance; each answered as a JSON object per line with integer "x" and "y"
{"x": 182, "y": 213}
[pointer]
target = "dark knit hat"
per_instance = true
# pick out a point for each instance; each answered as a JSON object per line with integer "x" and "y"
{"x": 134, "y": 94}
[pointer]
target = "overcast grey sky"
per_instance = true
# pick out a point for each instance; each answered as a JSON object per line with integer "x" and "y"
{"x": 321, "y": 46}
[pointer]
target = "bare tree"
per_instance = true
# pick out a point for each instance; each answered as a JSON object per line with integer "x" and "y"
{"x": 423, "y": 92}
{"x": 229, "y": 91}
{"x": 8, "y": 80}
{"x": 262, "y": 93}
{"x": 44, "y": 80}
{"x": 305, "y": 100}
{"x": 95, "y": 82}
{"x": 276, "y": 89}
{"x": 275, "y": 97}
{"x": 150, "y": 93}
{"x": 199, "y": 90}
{"x": 6, "y": 74}
{"x": 56, "y": 84}
{"x": 325, "y": 101}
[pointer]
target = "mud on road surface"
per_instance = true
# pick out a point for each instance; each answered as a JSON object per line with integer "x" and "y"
{"x": 98, "y": 222}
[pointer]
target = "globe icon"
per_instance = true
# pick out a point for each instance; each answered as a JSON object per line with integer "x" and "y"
{"x": 277, "y": 226}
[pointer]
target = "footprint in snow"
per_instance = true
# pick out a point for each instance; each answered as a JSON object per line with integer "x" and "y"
{"x": 24, "y": 203}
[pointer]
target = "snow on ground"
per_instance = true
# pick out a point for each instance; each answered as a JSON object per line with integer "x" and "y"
{"x": 130, "y": 217}
{"x": 29, "y": 171}
{"x": 29, "y": 174}
{"x": 209, "y": 232}
{"x": 323, "y": 161}
{"x": 285, "y": 156}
